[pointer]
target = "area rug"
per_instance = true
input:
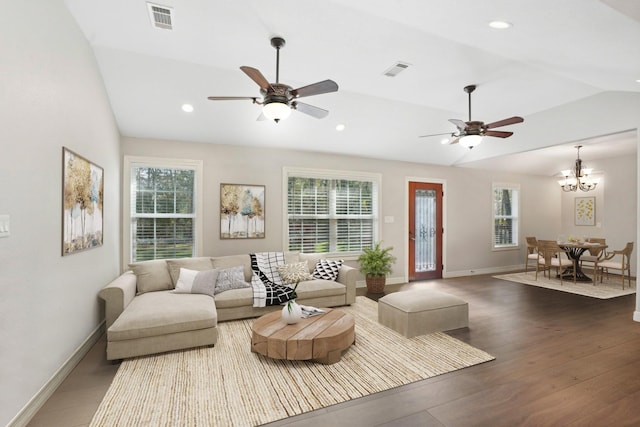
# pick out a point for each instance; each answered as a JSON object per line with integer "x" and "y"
{"x": 608, "y": 289}
{"x": 227, "y": 385}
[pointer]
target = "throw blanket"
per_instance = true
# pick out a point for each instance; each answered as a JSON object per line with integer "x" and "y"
{"x": 268, "y": 288}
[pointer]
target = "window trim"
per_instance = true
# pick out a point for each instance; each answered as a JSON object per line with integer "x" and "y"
{"x": 516, "y": 245}
{"x": 376, "y": 178}
{"x": 158, "y": 162}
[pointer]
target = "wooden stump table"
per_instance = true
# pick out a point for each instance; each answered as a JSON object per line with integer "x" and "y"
{"x": 320, "y": 338}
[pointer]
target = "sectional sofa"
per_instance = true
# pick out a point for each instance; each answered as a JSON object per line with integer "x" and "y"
{"x": 145, "y": 315}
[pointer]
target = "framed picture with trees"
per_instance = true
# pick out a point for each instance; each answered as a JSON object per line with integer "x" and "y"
{"x": 242, "y": 211}
{"x": 82, "y": 203}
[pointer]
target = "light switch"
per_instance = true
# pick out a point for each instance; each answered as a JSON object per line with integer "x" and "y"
{"x": 4, "y": 226}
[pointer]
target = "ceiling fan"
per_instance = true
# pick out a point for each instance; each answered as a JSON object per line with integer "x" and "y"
{"x": 470, "y": 133}
{"x": 278, "y": 99}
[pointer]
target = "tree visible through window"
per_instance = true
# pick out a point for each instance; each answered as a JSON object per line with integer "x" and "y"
{"x": 162, "y": 213}
{"x": 505, "y": 215}
{"x": 326, "y": 214}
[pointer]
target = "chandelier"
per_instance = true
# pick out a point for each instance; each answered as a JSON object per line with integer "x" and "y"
{"x": 578, "y": 178}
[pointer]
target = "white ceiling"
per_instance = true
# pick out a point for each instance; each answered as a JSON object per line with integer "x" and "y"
{"x": 556, "y": 53}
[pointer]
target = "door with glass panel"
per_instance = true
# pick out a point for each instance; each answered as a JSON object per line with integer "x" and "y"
{"x": 425, "y": 231}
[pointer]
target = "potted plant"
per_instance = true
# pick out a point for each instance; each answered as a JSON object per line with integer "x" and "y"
{"x": 375, "y": 264}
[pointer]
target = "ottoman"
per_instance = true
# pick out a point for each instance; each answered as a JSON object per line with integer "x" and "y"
{"x": 423, "y": 311}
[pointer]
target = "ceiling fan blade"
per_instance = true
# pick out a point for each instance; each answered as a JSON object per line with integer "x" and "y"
{"x": 436, "y": 134}
{"x": 316, "y": 112}
{"x": 256, "y": 76}
{"x": 459, "y": 123}
{"x": 324, "y": 86}
{"x": 505, "y": 122}
{"x": 498, "y": 134}
{"x": 232, "y": 98}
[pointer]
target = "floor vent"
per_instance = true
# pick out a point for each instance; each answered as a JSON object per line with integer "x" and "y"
{"x": 396, "y": 69}
{"x": 161, "y": 16}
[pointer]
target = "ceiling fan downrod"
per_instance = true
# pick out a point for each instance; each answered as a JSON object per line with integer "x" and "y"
{"x": 277, "y": 42}
{"x": 469, "y": 89}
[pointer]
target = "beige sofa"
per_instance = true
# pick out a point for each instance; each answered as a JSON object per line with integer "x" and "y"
{"x": 144, "y": 315}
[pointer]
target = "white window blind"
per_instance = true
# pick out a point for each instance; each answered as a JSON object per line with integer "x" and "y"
{"x": 505, "y": 215}
{"x": 331, "y": 213}
{"x": 162, "y": 211}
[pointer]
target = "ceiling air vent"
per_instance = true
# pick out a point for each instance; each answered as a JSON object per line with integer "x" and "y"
{"x": 396, "y": 69}
{"x": 161, "y": 16}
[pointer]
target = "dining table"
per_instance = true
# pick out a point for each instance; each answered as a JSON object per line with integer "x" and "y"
{"x": 574, "y": 250}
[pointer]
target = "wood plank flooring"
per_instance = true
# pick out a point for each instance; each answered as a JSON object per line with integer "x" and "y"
{"x": 561, "y": 360}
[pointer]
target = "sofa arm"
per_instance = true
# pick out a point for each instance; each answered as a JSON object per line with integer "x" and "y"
{"x": 117, "y": 295}
{"x": 347, "y": 276}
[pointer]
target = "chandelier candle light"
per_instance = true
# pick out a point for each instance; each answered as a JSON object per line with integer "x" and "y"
{"x": 578, "y": 178}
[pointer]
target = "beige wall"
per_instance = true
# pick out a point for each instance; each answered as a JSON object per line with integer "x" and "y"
{"x": 52, "y": 96}
{"x": 467, "y": 200}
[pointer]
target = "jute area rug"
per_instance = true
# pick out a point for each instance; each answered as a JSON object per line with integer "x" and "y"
{"x": 610, "y": 288}
{"x": 227, "y": 385}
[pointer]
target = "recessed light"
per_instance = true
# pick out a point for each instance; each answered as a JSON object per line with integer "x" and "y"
{"x": 340, "y": 127}
{"x": 444, "y": 141}
{"x": 637, "y": 80}
{"x": 187, "y": 108}
{"x": 500, "y": 25}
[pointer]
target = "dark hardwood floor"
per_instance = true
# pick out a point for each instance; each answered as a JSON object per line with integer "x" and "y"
{"x": 561, "y": 360}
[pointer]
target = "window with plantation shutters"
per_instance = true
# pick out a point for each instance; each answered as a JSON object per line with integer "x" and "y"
{"x": 163, "y": 220}
{"x": 330, "y": 211}
{"x": 505, "y": 215}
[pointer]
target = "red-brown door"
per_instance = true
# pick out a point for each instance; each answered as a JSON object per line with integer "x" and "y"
{"x": 425, "y": 231}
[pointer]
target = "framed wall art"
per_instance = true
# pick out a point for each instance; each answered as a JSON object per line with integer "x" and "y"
{"x": 242, "y": 211}
{"x": 82, "y": 203}
{"x": 585, "y": 210}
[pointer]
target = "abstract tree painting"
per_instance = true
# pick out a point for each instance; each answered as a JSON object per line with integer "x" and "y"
{"x": 82, "y": 203}
{"x": 241, "y": 211}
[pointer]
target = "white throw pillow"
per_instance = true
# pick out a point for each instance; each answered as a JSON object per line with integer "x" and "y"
{"x": 197, "y": 282}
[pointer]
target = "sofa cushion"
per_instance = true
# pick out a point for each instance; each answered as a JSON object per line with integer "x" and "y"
{"x": 160, "y": 313}
{"x": 234, "y": 261}
{"x": 231, "y": 278}
{"x": 197, "y": 282}
{"x": 294, "y": 272}
{"x": 318, "y": 288}
{"x": 235, "y": 298}
{"x": 196, "y": 263}
{"x": 151, "y": 276}
{"x": 327, "y": 269}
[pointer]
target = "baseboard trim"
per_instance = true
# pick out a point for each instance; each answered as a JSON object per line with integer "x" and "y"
{"x": 478, "y": 271}
{"x": 636, "y": 314}
{"x": 389, "y": 281}
{"x": 33, "y": 406}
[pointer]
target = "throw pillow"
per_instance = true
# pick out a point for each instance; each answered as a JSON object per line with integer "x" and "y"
{"x": 151, "y": 276}
{"x": 231, "y": 278}
{"x": 196, "y": 263}
{"x": 197, "y": 282}
{"x": 327, "y": 269}
{"x": 295, "y": 272}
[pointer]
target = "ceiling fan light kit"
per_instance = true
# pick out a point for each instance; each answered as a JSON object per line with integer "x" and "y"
{"x": 472, "y": 132}
{"x": 279, "y": 99}
{"x": 578, "y": 177}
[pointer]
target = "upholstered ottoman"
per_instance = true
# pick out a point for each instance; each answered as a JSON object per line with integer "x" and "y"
{"x": 422, "y": 311}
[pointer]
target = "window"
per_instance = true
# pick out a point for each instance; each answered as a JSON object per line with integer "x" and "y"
{"x": 162, "y": 208}
{"x": 330, "y": 211}
{"x": 505, "y": 215}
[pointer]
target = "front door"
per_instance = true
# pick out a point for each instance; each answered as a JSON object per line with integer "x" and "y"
{"x": 425, "y": 231}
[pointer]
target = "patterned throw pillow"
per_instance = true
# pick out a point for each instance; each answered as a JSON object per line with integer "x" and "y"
{"x": 295, "y": 272}
{"x": 231, "y": 278}
{"x": 196, "y": 282}
{"x": 327, "y": 269}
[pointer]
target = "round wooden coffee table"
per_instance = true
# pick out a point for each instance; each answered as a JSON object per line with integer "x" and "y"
{"x": 320, "y": 338}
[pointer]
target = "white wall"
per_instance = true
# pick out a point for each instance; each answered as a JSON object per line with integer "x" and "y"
{"x": 51, "y": 96}
{"x": 468, "y": 200}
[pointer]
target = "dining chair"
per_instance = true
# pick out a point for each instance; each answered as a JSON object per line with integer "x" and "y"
{"x": 617, "y": 260}
{"x": 532, "y": 252}
{"x": 551, "y": 256}
{"x": 595, "y": 255}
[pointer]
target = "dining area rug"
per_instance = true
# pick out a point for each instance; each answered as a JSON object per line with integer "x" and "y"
{"x": 609, "y": 288}
{"x": 228, "y": 385}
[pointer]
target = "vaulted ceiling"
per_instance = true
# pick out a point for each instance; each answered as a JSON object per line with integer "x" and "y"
{"x": 556, "y": 56}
